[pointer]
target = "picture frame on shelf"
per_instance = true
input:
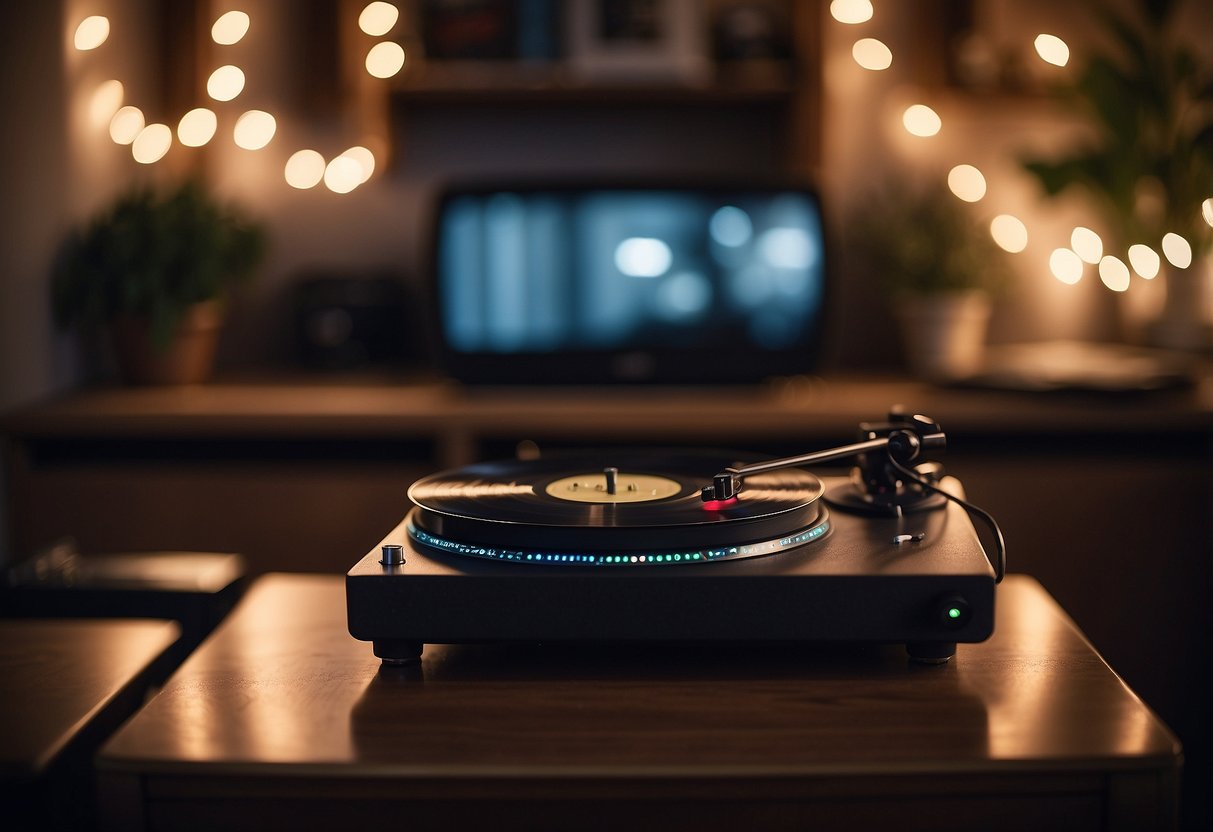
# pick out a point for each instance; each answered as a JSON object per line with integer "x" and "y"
{"x": 637, "y": 41}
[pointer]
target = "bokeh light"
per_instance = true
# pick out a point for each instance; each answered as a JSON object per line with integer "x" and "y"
{"x": 1065, "y": 265}
{"x": 152, "y": 143}
{"x": 364, "y": 158}
{"x": 342, "y": 175}
{"x": 1114, "y": 273}
{"x": 385, "y": 59}
{"x": 225, "y": 83}
{"x": 1086, "y": 244}
{"x": 197, "y": 127}
{"x": 1052, "y": 49}
{"x": 872, "y": 54}
{"x": 304, "y": 169}
{"x": 254, "y": 129}
{"x": 230, "y": 28}
{"x": 1009, "y": 233}
{"x": 378, "y": 18}
{"x": 126, "y": 124}
{"x": 851, "y": 11}
{"x": 106, "y": 100}
{"x": 967, "y": 183}
{"x": 1177, "y": 250}
{"x": 91, "y": 33}
{"x": 921, "y": 120}
{"x": 1144, "y": 260}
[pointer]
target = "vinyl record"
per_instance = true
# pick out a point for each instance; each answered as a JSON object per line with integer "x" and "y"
{"x": 570, "y": 503}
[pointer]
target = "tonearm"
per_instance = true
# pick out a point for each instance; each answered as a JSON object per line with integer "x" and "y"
{"x": 889, "y": 482}
{"x": 905, "y": 438}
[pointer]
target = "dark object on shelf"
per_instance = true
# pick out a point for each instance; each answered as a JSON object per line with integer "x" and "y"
{"x": 470, "y": 29}
{"x": 346, "y": 323}
{"x": 752, "y": 31}
{"x": 195, "y": 589}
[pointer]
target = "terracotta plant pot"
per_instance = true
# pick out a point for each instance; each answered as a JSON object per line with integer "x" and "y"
{"x": 188, "y": 358}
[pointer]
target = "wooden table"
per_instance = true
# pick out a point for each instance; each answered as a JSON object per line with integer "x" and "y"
{"x": 283, "y": 719}
{"x": 64, "y": 687}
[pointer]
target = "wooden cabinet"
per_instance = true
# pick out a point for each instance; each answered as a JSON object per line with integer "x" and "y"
{"x": 1107, "y": 501}
{"x": 282, "y": 719}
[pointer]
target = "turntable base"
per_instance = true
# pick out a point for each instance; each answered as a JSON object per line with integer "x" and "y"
{"x": 921, "y": 580}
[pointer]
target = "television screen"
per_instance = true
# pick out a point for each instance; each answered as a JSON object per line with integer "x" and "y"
{"x": 631, "y": 284}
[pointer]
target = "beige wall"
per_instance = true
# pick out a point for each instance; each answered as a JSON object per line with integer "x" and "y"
{"x": 33, "y": 184}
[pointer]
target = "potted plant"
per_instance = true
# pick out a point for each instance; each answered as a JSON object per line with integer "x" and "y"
{"x": 940, "y": 269}
{"x": 1148, "y": 162}
{"x": 153, "y": 269}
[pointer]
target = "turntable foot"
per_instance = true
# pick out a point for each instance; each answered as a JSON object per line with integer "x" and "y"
{"x": 931, "y": 652}
{"x": 398, "y": 651}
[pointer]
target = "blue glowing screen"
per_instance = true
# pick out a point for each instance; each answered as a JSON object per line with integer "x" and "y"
{"x": 546, "y": 271}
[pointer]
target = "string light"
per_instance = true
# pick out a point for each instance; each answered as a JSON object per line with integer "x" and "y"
{"x": 921, "y": 120}
{"x": 851, "y": 11}
{"x": 1086, "y": 244}
{"x": 1177, "y": 250}
{"x": 872, "y": 54}
{"x": 378, "y": 18}
{"x": 1206, "y": 210}
{"x": 230, "y": 28}
{"x": 225, "y": 83}
{"x": 1065, "y": 265}
{"x": 126, "y": 124}
{"x": 197, "y": 127}
{"x": 304, "y": 169}
{"x": 91, "y": 33}
{"x": 1145, "y": 260}
{"x": 342, "y": 175}
{"x": 254, "y": 130}
{"x": 364, "y": 158}
{"x": 385, "y": 59}
{"x": 1009, "y": 233}
{"x": 1052, "y": 49}
{"x": 1114, "y": 273}
{"x": 106, "y": 100}
{"x": 967, "y": 183}
{"x": 152, "y": 143}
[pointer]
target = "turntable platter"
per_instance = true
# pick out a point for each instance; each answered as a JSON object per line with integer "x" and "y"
{"x": 635, "y": 508}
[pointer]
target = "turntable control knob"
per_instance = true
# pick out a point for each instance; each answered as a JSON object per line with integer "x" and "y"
{"x": 391, "y": 554}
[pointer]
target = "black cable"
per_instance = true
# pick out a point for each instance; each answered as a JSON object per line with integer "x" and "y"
{"x": 999, "y": 561}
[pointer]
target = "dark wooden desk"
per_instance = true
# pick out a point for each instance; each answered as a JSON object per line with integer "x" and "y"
{"x": 283, "y": 719}
{"x": 64, "y": 687}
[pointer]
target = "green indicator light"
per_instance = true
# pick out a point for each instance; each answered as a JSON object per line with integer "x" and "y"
{"x": 953, "y": 612}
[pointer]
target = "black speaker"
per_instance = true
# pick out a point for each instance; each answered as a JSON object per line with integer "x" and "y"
{"x": 352, "y": 322}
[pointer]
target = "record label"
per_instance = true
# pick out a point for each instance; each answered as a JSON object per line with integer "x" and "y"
{"x": 615, "y": 487}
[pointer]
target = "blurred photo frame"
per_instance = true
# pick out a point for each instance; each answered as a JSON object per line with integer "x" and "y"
{"x": 637, "y": 41}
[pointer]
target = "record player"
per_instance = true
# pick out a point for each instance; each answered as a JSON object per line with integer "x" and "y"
{"x": 687, "y": 546}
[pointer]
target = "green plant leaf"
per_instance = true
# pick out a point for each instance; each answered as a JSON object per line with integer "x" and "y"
{"x": 152, "y": 254}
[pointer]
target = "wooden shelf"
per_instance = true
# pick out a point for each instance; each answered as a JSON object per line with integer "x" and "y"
{"x": 465, "y": 83}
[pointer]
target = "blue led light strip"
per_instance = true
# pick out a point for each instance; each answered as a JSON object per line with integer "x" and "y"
{"x": 749, "y": 550}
